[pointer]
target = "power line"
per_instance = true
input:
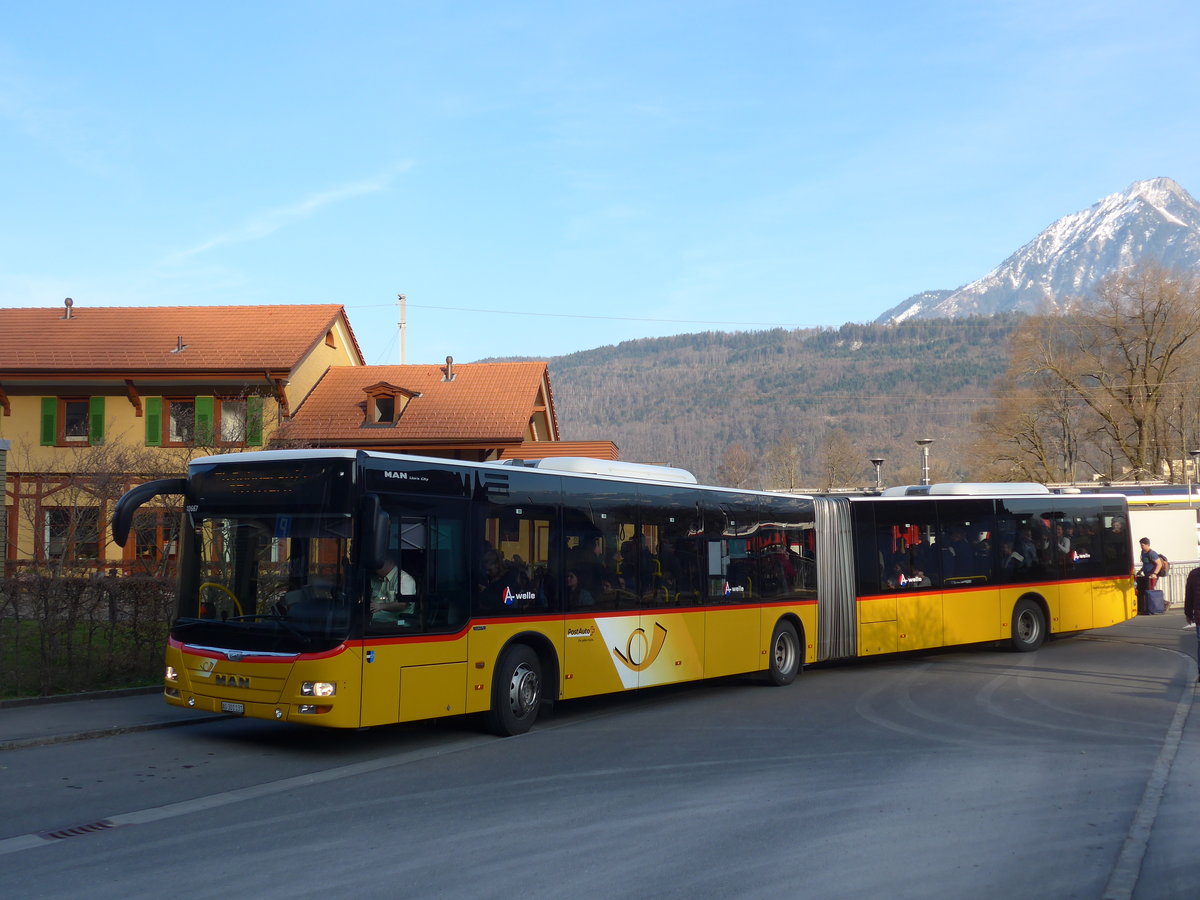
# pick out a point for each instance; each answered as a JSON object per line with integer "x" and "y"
{"x": 546, "y": 315}
{"x": 910, "y": 323}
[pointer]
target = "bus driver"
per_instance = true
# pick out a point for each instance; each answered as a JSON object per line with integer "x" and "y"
{"x": 384, "y": 605}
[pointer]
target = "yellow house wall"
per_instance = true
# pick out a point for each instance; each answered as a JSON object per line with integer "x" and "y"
{"x": 123, "y": 430}
{"x": 122, "y": 426}
{"x": 309, "y": 370}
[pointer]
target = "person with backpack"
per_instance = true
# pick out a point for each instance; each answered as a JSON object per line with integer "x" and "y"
{"x": 1147, "y": 581}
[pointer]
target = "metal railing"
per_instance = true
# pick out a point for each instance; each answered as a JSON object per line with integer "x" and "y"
{"x": 1176, "y": 580}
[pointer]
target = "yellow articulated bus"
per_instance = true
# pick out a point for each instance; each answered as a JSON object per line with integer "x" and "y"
{"x": 350, "y": 588}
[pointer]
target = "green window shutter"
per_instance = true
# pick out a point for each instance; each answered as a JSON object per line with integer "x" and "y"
{"x": 49, "y": 421}
{"x": 254, "y": 421}
{"x": 204, "y": 421}
{"x": 153, "y": 408}
{"x": 96, "y": 420}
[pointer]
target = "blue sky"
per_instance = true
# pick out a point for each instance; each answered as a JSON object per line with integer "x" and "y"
{"x": 541, "y": 178}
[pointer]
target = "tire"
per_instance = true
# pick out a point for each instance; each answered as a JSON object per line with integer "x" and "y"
{"x": 1028, "y": 626}
{"x": 785, "y": 656}
{"x": 516, "y": 692}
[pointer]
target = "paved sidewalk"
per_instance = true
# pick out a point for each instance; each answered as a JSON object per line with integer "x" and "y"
{"x": 83, "y": 716}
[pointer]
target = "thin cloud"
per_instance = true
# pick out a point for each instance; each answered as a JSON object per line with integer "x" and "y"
{"x": 267, "y": 223}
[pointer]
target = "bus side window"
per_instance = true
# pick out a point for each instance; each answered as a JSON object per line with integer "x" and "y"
{"x": 428, "y": 544}
{"x": 519, "y": 565}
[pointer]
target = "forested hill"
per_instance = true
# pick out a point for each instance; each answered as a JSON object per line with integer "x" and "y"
{"x": 686, "y": 400}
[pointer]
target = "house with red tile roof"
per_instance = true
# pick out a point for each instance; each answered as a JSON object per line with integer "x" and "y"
{"x": 465, "y": 411}
{"x": 94, "y": 400}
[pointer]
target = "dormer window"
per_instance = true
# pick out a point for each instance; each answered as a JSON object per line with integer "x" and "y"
{"x": 386, "y": 403}
{"x": 384, "y": 410}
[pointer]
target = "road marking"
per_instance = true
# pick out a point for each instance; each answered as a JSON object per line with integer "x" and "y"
{"x": 1124, "y": 877}
{"x": 225, "y": 798}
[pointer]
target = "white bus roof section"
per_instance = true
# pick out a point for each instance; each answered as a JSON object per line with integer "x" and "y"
{"x": 579, "y": 465}
{"x": 273, "y": 456}
{"x": 585, "y": 465}
{"x": 967, "y": 489}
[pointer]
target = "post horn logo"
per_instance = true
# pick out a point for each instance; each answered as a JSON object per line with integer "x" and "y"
{"x": 644, "y": 651}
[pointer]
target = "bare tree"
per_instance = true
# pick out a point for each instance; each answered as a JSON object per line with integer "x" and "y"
{"x": 65, "y": 504}
{"x": 737, "y": 467}
{"x": 841, "y": 462}
{"x": 1100, "y": 389}
{"x": 1026, "y": 436}
{"x": 784, "y": 462}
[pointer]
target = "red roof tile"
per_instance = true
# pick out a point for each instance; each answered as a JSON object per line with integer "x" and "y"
{"x": 141, "y": 339}
{"x": 485, "y": 401}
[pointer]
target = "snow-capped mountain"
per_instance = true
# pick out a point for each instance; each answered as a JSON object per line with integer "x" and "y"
{"x": 1154, "y": 220}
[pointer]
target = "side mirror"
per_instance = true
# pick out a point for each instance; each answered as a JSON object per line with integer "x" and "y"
{"x": 122, "y": 518}
{"x": 376, "y": 532}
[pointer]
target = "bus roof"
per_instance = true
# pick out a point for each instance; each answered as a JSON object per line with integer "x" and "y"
{"x": 577, "y": 465}
{"x": 967, "y": 488}
{"x": 586, "y": 465}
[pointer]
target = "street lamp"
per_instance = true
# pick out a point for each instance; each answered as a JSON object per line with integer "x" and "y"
{"x": 924, "y": 443}
{"x": 877, "y": 462}
{"x": 1194, "y": 454}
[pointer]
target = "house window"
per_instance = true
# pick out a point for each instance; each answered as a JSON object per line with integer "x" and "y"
{"x": 385, "y": 410}
{"x": 181, "y": 421}
{"x": 386, "y": 402}
{"x": 75, "y": 421}
{"x": 204, "y": 421}
{"x": 70, "y": 421}
{"x": 233, "y": 421}
{"x": 71, "y": 533}
{"x": 154, "y": 533}
{"x": 239, "y": 420}
{"x": 330, "y": 339}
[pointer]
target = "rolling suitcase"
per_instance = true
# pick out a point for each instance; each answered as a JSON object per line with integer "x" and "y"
{"x": 1155, "y": 603}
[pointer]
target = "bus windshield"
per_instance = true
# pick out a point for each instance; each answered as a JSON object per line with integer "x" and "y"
{"x": 263, "y": 582}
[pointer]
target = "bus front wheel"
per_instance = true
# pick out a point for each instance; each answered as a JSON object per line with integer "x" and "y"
{"x": 516, "y": 691}
{"x": 785, "y": 654}
{"x": 1028, "y": 626}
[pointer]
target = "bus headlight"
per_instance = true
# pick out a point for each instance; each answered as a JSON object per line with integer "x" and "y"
{"x": 171, "y": 674}
{"x": 318, "y": 689}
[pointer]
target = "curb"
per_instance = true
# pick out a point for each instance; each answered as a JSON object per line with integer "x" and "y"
{"x": 87, "y": 695}
{"x": 25, "y": 743}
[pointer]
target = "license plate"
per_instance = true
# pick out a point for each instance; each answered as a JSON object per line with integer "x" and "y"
{"x": 235, "y": 708}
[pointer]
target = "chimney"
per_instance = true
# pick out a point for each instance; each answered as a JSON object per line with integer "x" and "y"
{"x": 68, "y": 303}
{"x": 448, "y": 372}
{"x": 180, "y": 346}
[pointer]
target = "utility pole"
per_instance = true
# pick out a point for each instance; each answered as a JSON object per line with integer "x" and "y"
{"x": 403, "y": 301}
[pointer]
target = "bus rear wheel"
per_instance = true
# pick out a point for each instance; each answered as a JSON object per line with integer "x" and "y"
{"x": 785, "y": 654}
{"x": 1028, "y": 626}
{"x": 516, "y": 692}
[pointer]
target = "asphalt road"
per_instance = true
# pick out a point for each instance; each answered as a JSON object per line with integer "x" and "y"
{"x": 1066, "y": 773}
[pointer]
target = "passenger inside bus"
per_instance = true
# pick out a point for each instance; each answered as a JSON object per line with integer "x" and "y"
{"x": 587, "y": 561}
{"x": 919, "y": 578}
{"x": 578, "y": 596}
{"x": 1011, "y": 560}
{"x": 639, "y": 566}
{"x": 1026, "y": 548}
{"x": 958, "y": 557}
{"x": 500, "y": 589}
